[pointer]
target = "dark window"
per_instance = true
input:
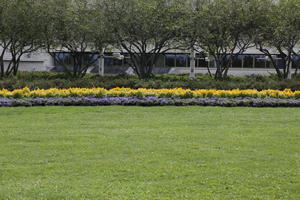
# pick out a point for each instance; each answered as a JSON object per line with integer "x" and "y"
{"x": 127, "y": 61}
{"x": 237, "y": 61}
{"x": 280, "y": 63}
{"x": 181, "y": 60}
{"x": 248, "y": 61}
{"x": 117, "y": 62}
{"x": 108, "y": 62}
{"x": 160, "y": 61}
{"x": 66, "y": 59}
{"x": 170, "y": 60}
{"x": 63, "y": 59}
{"x": 296, "y": 62}
{"x": 269, "y": 64}
{"x": 200, "y": 60}
{"x": 260, "y": 61}
{"x": 202, "y": 63}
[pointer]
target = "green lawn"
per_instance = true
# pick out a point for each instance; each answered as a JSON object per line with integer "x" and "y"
{"x": 150, "y": 153}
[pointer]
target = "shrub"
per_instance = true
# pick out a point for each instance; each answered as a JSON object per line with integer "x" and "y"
{"x": 46, "y": 80}
{"x": 149, "y": 101}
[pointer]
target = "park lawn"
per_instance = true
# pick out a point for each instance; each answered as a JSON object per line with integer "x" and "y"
{"x": 150, "y": 153}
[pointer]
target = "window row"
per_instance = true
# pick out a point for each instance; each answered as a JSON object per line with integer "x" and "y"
{"x": 182, "y": 60}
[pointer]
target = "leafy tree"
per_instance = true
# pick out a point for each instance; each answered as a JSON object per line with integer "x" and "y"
{"x": 2, "y": 37}
{"x": 19, "y": 32}
{"x": 74, "y": 27}
{"x": 223, "y": 29}
{"x": 145, "y": 29}
{"x": 280, "y": 30}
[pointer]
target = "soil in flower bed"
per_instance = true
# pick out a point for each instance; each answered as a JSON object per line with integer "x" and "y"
{"x": 150, "y": 101}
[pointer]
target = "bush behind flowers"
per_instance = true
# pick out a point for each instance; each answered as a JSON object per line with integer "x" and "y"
{"x": 47, "y": 80}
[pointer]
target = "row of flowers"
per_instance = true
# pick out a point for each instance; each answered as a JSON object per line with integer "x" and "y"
{"x": 163, "y": 93}
{"x": 149, "y": 101}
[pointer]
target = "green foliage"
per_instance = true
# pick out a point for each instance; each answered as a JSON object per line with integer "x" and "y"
{"x": 144, "y": 29}
{"x": 77, "y": 27}
{"x": 223, "y": 28}
{"x": 279, "y": 29}
{"x": 19, "y": 32}
{"x": 60, "y": 80}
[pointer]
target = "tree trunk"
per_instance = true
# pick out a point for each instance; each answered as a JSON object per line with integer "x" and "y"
{"x": 2, "y": 73}
{"x": 143, "y": 66}
{"x": 143, "y": 72}
{"x": 222, "y": 69}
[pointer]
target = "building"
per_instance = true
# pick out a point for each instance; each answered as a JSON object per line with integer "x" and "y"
{"x": 177, "y": 62}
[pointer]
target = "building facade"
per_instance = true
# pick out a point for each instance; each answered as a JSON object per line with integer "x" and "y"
{"x": 250, "y": 62}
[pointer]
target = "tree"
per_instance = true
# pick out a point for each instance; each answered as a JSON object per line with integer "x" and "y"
{"x": 280, "y": 30}
{"x": 145, "y": 29}
{"x": 19, "y": 32}
{"x": 74, "y": 28}
{"x": 3, "y": 37}
{"x": 223, "y": 29}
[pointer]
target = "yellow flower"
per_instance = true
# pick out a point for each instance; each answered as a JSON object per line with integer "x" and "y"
{"x": 142, "y": 92}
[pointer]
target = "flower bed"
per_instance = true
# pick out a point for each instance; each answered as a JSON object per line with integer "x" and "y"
{"x": 149, "y": 97}
{"x": 162, "y": 93}
{"x": 149, "y": 101}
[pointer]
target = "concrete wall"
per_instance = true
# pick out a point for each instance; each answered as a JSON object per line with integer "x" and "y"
{"x": 39, "y": 61}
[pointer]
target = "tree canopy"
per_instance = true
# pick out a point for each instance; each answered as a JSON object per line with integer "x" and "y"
{"x": 19, "y": 32}
{"x": 280, "y": 30}
{"x": 223, "y": 29}
{"x": 77, "y": 27}
{"x": 144, "y": 29}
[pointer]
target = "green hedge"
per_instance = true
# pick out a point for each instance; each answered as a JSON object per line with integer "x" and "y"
{"x": 46, "y": 80}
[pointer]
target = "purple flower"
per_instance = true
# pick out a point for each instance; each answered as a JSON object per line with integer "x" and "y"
{"x": 150, "y": 101}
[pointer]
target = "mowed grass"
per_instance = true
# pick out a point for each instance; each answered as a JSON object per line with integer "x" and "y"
{"x": 150, "y": 153}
